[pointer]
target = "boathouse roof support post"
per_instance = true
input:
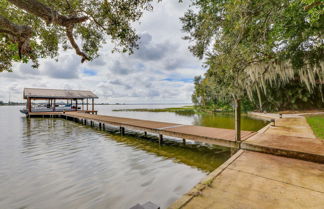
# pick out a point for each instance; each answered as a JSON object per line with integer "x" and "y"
{"x": 53, "y": 105}
{"x": 29, "y": 105}
{"x": 76, "y": 104}
{"x": 92, "y": 105}
{"x": 87, "y": 104}
{"x": 237, "y": 120}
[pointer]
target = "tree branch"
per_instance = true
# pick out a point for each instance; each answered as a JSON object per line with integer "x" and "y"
{"x": 94, "y": 20}
{"x": 51, "y": 16}
{"x": 13, "y": 29}
{"x": 18, "y": 33}
{"x": 69, "y": 34}
{"x": 314, "y": 4}
{"x": 47, "y": 14}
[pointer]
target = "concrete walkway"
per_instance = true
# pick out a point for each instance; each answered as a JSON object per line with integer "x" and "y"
{"x": 297, "y": 126}
{"x": 289, "y": 146}
{"x": 288, "y": 125}
{"x": 255, "y": 180}
{"x": 291, "y": 137}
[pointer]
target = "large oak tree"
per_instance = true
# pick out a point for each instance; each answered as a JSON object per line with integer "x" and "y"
{"x": 252, "y": 45}
{"x": 33, "y": 29}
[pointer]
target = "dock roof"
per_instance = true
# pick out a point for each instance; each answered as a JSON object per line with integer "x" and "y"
{"x": 57, "y": 94}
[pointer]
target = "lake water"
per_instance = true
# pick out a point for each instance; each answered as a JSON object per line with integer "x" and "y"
{"x": 55, "y": 163}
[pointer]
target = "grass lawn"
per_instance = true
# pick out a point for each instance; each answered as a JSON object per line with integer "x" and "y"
{"x": 317, "y": 124}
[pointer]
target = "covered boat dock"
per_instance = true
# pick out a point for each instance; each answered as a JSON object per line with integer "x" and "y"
{"x": 71, "y": 100}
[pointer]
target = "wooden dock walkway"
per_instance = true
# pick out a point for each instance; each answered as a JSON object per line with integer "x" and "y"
{"x": 217, "y": 136}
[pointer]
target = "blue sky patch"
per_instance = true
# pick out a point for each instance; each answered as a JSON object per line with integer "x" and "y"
{"x": 89, "y": 72}
{"x": 185, "y": 80}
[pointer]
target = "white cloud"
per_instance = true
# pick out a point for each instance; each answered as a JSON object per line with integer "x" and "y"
{"x": 161, "y": 71}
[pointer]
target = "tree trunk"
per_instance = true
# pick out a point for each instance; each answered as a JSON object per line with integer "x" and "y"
{"x": 237, "y": 119}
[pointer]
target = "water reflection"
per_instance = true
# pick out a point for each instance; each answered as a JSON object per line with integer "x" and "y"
{"x": 226, "y": 120}
{"x": 217, "y": 120}
{"x": 55, "y": 163}
{"x": 203, "y": 157}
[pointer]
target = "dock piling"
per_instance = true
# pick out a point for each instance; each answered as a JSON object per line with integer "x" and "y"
{"x": 160, "y": 139}
{"x": 184, "y": 141}
{"x": 122, "y": 131}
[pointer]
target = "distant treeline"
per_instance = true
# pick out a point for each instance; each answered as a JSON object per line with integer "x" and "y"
{"x": 11, "y": 103}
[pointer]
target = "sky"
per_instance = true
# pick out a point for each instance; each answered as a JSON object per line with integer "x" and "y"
{"x": 160, "y": 71}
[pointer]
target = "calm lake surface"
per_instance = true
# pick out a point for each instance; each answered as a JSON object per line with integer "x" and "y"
{"x": 55, "y": 163}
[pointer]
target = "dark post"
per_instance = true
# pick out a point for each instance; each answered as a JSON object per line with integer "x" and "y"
{"x": 92, "y": 105}
{"x": 184, "y": 141}
{"x": 160, "y": 139}
{"x": 122, "y": 131}
{"x": 54, "y": 106}
{"x": 237, "y": 120}
{"x": 145, "y": 134}
{"x": 76, "y": 104}
{"x": 29, "y": 104}
{"x": 82, "y": 104}
{"x": 87, "y": 104}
